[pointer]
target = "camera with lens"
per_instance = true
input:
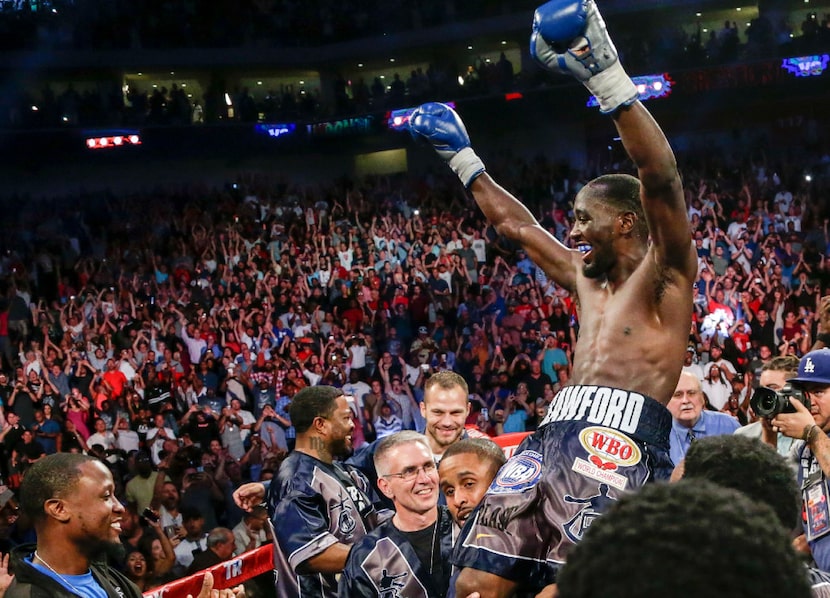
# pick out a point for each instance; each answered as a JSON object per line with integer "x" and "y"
{"x": 766, "y": 402}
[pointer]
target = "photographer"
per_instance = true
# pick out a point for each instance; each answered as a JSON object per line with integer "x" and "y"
{"x": 809, "y": 426}
{"x": 774, "y": 375}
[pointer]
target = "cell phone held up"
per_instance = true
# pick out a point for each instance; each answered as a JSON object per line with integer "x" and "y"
{"x": 149, "y": 515}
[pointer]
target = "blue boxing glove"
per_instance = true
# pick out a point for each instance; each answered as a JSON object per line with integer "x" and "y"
{"x": 443, "y": 128}
{"x": 569, "y": 36}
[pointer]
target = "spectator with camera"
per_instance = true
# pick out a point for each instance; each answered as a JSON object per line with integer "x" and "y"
{"x": 806, "y": 420}
{"x": 775, "y": 375}
{"x": 399, "y": 397}
{"x": 518, "y": 408}
{"x": 157, "y": 435}
{"x": 272, "y": 429}
{"x": 24, "y": 402}
{"x": 193, "y": 542}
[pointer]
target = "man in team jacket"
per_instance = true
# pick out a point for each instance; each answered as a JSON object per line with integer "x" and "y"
{"x": 409, "y": 554}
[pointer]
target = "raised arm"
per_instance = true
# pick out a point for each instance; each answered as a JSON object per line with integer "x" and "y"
{"x": 443, "y": 128}
{"x": 571, "y": 38}
{"x": 661, "y": 191}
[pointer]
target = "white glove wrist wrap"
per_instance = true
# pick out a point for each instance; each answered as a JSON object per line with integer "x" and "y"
{"x": 467, "y": 165}
{"x": 612, "y": 88}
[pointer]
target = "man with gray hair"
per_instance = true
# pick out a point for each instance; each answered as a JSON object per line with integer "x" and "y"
{"x": 220, "y": 547}
{"x": 409, "y": 554}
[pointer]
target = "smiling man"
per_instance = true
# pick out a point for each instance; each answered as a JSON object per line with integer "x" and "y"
{"x": 409, "y": 554}
{"x": 444, "y": 409}
{"x": 319, "y": 507}
{"x": 71, "y": 500}
{"x": 630, "y": 268}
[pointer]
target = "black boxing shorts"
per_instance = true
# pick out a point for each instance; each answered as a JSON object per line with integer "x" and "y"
{"x": 594, "y": 444}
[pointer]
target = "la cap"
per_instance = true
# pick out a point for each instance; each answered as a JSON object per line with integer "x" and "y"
{"x": 814, "y": 367}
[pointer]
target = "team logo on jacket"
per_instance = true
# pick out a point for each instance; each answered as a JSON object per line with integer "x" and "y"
{"x": 521, "y": 472}
{"x": 391, "y": 585}
{"x": 346, "y": 523}
{"x": 608, "y": 448}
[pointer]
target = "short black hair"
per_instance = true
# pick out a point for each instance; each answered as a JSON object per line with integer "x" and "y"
{"x": 312, "y": 402}
{"x": 749, "y": 466}
{"x": 692, "y": 538}
{"x": 191, "y": 513}
{"x": 54, "y": 476}
{"x": 483, "y": 448}
{"x": 622, "y": 192}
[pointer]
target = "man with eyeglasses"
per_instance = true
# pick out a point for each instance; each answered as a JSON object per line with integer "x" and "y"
{"x": 690, "y": 420}
{"x": 809, "y": 425}
{"x": 444, "y": 411}
{"x": 409, "y": 554}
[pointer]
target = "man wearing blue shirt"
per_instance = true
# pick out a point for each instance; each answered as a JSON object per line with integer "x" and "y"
{"x": 70, "y": 498}
{"x": 690, "y": 420}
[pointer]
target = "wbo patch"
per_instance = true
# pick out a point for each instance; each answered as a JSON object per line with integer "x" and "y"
{"x": 609, "y": 449}
{"x": 521, "y": 472}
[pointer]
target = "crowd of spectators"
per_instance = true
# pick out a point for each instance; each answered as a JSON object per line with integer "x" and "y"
{"x": 110, "y": 106}
{"x": 169, "y": 24}
{"x": 167, "y": 332}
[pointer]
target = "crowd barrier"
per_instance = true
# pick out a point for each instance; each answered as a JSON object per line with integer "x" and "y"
{"x": 229, "y": 574}
{"x": 260, "y": 560}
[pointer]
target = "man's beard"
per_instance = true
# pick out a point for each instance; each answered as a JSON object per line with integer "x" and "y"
{"x": 340, "y": 450}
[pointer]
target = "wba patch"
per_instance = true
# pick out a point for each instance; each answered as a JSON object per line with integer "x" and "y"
{"x": 521, "y": 472}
